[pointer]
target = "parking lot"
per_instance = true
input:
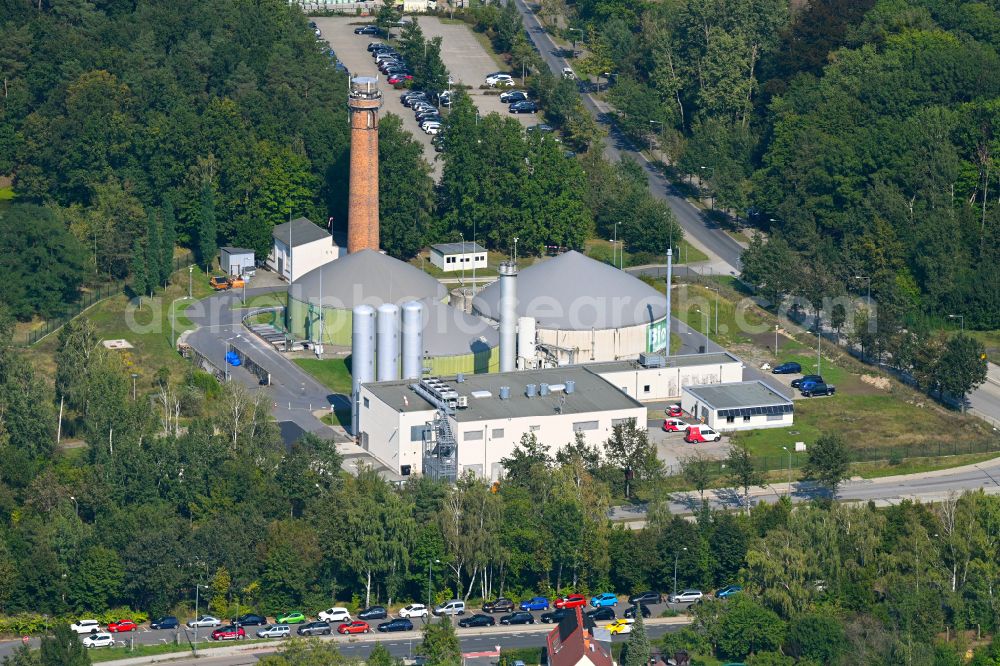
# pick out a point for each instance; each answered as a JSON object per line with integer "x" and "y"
{"x": 467, "y": 62}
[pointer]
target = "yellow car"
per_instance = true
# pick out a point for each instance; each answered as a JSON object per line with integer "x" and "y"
{"x": 621, "y": 626}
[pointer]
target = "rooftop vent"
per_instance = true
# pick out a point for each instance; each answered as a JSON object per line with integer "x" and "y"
{"x": 481, "y": 394}
{"x": 648, "y": 360}
{"x": 505, "y": 393}
{"x": 529, "y": 390}
{"x": 570, "y": 386}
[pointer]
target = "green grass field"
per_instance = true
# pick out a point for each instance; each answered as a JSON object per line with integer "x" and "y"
{"x": 273, "y": 299}
{"x": 333, "y": 373}
{"x": 603, "y": 250}
{"x": 6, "y": 193}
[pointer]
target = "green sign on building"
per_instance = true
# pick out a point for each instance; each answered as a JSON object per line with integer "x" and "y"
{"x": 656, "y": 336}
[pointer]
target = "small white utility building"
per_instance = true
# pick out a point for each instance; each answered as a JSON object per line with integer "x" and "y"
{"x": 300, "y": 246}
{"x": 458, "y": 256}
{"x": 653, "y": 377}
{"x": 446, "y": 428}
{"x": 236, "y": 260}
{"x": 738, "y": 406}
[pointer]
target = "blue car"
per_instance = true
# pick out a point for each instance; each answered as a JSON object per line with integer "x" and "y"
{"x": 604, "y": 599}
{"x": 790, "y": 368}
{"x": 535, "y": 604}
{"x": 728, "y": 591}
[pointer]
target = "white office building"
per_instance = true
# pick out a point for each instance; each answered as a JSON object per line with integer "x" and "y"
{"x": 653, "y": 378}
{"x": 451, "y": 257}
{"x": 738, "y": 406}
{"x": 300, "y": 246}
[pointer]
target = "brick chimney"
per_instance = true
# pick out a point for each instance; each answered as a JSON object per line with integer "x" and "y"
{"x": 363, "y": 104}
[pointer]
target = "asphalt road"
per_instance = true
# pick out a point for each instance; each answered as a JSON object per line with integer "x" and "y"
{"x": 616, "y": 146}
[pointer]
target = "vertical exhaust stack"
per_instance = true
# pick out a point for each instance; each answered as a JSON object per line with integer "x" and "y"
{"x": 363, "y": 104}
{"x": 508, "y": 316}
{"x": 413, "y": 340}
{"x": 362, "y": 355}
{"x": 388, "y": 343}
{"x": 670, "y": 276}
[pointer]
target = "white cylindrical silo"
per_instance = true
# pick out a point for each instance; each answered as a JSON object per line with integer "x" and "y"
{"x": 362, "y": 354}
{"x": 526, "y": 340}
{"x": 508, "y": 316}
{"x": 387, "y": 349}
{"x": 413, "y": 339}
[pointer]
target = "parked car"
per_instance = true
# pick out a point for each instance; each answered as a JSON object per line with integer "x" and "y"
{"x": 567, "y": 73}
{"x": 541, "y": 127}
{"x": 728, "y": 591}
{"x": 86, "y": 626}
{"x": 366, "y": 30}
{"x": 518, "y": 617}
{"x": 535, "y": 604}
{"x": 602, "y": 614}
{"x": 250, "y": 620}
{"x": 165, "y": 622}
{"x": 204, "y": 621}
{"x": 336, "y": 614}
{"x": 511, "y": 96}
{"x": 674, "y": 424}
{"x": 377, "y": 46}
{"x": 701, "y": 433}
{"x": 314, "y": 629}
{"x": 398, "y": 78}
{"x": 412, "y": 97}
{"x": 374, "y": 613}
{"x": 355, "y": 627}
{"x": 431, "y": 127}
{"x": 477, "y": 620}
{"x": 621, "y": 626}
{"x": 554, "y": 617}
{"x": 99, "y": 639}
{"x": 570, "y": 601}
{"x": 501, "y": 605}
{"x": 453, "y": 607}
{"x": 230, "y": 632}
{"x": 413, "y": 610}
{"x": 122, "y": 625}
{"x": 294, "y": 617}
{"x": 525, "y": 106}
{"x": 274, "y": 631}
{"x": 818, "y": 388}
{"x": 425, "y": 116}
{"x": 686, "y": 597}
{"x": 501, "y": 80}
{"x": 674, "y": 410}
{"x": 789, "y": 368}
{"x": 643, "y": 610}
{"x": 444, "y": 99}
{"x": 399, "y": 624}
{"x": 806, "y": 379}
{"x": 604, "y": 599}
{"x": 646, "y": 598}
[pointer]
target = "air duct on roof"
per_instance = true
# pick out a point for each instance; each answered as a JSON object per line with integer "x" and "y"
{"x": 570, "y": 386}
{"x": 543, "y": 389}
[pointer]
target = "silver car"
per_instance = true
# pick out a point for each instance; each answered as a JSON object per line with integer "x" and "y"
{"x": 274, "y": 631}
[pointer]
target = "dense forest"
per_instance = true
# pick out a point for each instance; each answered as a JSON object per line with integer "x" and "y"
{"x": 190, "y": 485}
{"x": 861, "y": 133}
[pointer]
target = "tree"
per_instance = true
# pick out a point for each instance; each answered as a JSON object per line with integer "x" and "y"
{"x": 629, "y": 449}
{"x": 154, "y": 253}
{"x": 307, "y": 653}
{"x": 770, "y": 268}
{"x": 440, "y": 645}
{"x": 63, "y": 648}
{"x": 208, "y": 243}
{"x": 40, "y": 261}
{"x": 406, "y": 190}
{"x": 167, "y": 240}
{"x": 526, "y": 460}
{"x": 97, "y": 583}
{"x": 140, "y": 279}
{"x": 380, "y": 656}
{"x": 817, "y": 637}
{"x": 22, "y": 656}
{"x": 387, "y": 16}
{"x": 745, "y": 627}
{"x": 697, "y": 470}
{"x": 742, "y": 472}
{"x": 962, "y": 367}
{"x": 637, "y": 650}
{"x": 828, "y": 462}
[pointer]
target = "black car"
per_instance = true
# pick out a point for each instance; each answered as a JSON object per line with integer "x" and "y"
{"x": 366, "y": 30}
{"x": 408, "y": 98}
{"x": 819, "y": 389}
{"x": 314, "y": 629}
{"x": 428, "y": 115}
{"x": 377, "y": 46}
{"x": 477, "y": 620}
{"x": 602, "y": 614}
{"x": 630, "y": 611}
{"x": 818, "y": 379}
{"x": 250, "y": 620}
{"x": 789, "y": 368}
{"x": 553, "y": 617}
{"x": 646, "y": 598}
{"x": 501, "y": 605}
{"x": 520, "y": 617}
{"x": 374, "y": 613}
{"x": 525, "y": 106}
{"x": 166, "y": 622}
{"x": 399, "y": 624}
{"x": 512, "y": 96}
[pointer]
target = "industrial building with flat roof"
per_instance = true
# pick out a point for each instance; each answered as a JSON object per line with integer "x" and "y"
{"x": 470, "y": 423}
{"x": 738, "y": 406}
{"x": 653, "y": 377}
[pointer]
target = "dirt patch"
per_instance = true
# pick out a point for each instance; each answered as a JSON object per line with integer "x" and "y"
{"x": 881, "y": 383}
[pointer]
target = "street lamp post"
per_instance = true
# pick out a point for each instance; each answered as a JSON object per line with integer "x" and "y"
{"x": 429, "y": 585}
{"x": 134, "y": 377}
{"x": 190, "y": 279}
{"x": 677, "y": 555}
{"x": 716, "y": 290}
{"x": 173, "y": 317}
{"x": 775, "y": 340}
{"x": 868, "y": 301}
{"x": 789, "y": 452}
{"x": 574, "y": 39}
{"x": 660, "y": 123}
{"x": 76, "y": 506}
{"x": 961, "y": 319}
{"x": 704, "y": 316}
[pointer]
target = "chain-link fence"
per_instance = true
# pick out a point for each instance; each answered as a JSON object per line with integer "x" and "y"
{"x": 88, "y": 299}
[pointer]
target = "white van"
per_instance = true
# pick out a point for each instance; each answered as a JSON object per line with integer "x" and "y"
{"x": 453, "y": 607}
